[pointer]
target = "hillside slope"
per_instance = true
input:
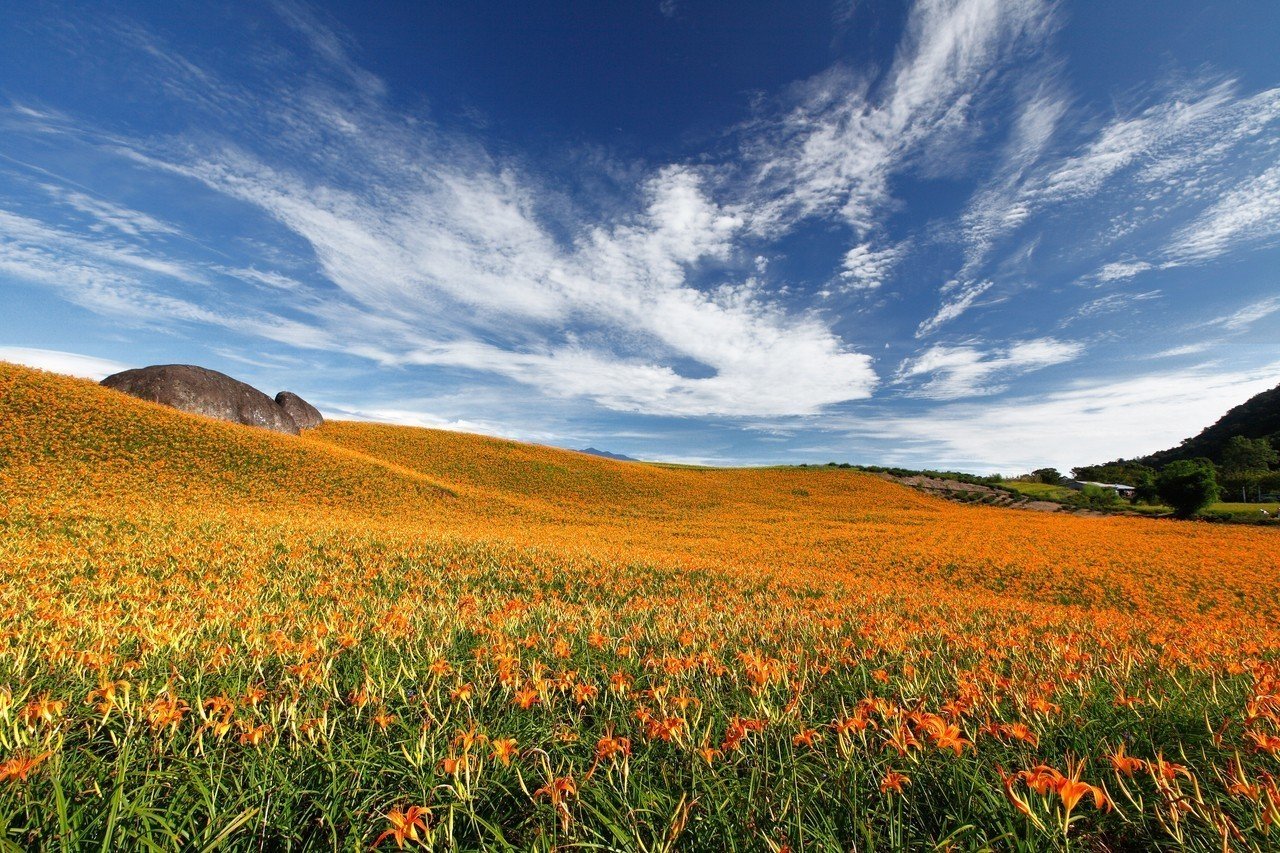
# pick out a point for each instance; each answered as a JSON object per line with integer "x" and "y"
{"x": 214, "y": 634}
{"x": 67, "y": 445}
{"x": 76, "y": 443}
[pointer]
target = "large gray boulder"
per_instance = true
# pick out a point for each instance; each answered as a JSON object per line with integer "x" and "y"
{"x": 203, "y": 392}
{"x": 305, "y": 415}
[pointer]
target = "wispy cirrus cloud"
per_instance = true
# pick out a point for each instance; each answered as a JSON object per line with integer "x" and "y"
{"x": 103, "y": 216}
{"x": 969, "y": 371}
{"x": 1153, "y": 141}
{"x": 440, "y": 257}
{"x": 1185, "y": 350}
{"x": 119, "y": 280}
{"x": 867, "y": 268}
{"x": 843, "y": 138}
{"x": 1245, "y": 317}
{"x": 1122, "y": 270}
{"x": 1248, "y": 212}
{"x": 1169, "y": 171}
{"x": 1110, "y": 304}
{"x": 445, "y": 245}
{"x": 961, "y": 296}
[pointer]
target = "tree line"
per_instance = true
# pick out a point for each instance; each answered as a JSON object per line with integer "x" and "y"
{"x": 1248, "y": 468}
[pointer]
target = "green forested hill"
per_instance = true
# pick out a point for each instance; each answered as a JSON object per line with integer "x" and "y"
{"x": 1257, "y": 417}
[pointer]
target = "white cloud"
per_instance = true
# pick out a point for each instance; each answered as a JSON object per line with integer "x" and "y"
{"x": 1164, "y": 160}
{"x": 866, "y": 268}
{"x": 1248, "y": 315}
{"x": 430, "y": 420}
{"x": 25, "y": 236}
{"x": 838, "y": 146}
{"x": 329, "y": 46}
{"x": 108, "y": 216}
{"x": 1082, "y": 424}
{"x": 954, "y": 306}
{"x": 627, "y": 284}
{"x": 1250, "y": 211}
{"x": 1122, "y": 270}
{"x": 999, "y": 208}
{"x": 968, "y": 371}
{"x": 441, "y": 258}
{"x": 1111, "y": 303}
{"x": 1124, "y": 142}
{"x": 70, "y": 363}
{"x": 1184, "y": 350}
{"x": 119, "y": 281}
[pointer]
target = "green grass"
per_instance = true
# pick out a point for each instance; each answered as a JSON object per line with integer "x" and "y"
{"x": 1039, "y": 491}
{"x": 1047, "y": 492}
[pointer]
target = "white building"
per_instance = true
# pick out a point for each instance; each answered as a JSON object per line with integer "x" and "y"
{"x": 1119, "y": 488}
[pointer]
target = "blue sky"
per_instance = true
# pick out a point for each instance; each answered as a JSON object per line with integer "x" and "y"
{"x": 978, "y": 234}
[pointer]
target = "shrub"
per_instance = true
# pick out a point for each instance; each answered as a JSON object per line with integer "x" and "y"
{"x": 1094, "y": 497}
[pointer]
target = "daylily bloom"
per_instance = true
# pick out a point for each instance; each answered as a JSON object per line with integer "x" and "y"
{"x": 893, "y": 781}
{"x": 19, "y": 768}
{"x": 405, "y": 825}
{"x": 504, "y": 749}
{"x": 558, "y": 791}
{"x": 1124, "y": 764}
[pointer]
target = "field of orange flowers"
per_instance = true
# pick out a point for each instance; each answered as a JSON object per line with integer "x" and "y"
{"x": 374, "y": 636}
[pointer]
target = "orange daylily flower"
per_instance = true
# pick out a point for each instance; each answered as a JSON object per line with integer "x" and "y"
{"x": 559, "y": 790}
{"x": 808, "y": 737}
{"x": 1124, "y": 764}
{"x": 405, "y": 826}
{"x": 20, "y": 767}
{"x": 893, "y": 781}
{"x": 504, "y": 749}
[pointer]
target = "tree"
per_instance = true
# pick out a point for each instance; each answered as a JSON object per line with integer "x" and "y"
{"x": 1120, "y": 471}
{"x": 1248, "y": 456}
{"x": 1144, "y": 488}
{"x": 1187, "y": 485}
{"x": 1245, "y": 461}
{"x": 1048, "y": 475}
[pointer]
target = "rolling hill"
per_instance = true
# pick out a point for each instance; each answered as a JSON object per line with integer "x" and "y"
{"x": 88, "y": 448}
{"x": 215, "y": 635}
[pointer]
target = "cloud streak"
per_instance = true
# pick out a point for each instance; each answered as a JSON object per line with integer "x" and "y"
{"x": 967, "y": 371}
{"x": 838, "y": 146}
{"x": 1083, "y": 423}
{"x": 69, "y": 363}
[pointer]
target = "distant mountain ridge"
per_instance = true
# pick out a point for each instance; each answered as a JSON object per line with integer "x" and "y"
{"x": 591, "y": 451}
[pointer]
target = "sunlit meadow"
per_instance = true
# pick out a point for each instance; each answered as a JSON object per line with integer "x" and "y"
{"x": 387, "y": 637}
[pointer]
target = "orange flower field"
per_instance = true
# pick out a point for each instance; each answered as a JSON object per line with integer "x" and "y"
{"x": 376, "y": 636}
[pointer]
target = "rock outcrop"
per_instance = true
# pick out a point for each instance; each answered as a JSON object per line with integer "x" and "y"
{"x": 201, "y": 391}
{"x": 305, "y": 415}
